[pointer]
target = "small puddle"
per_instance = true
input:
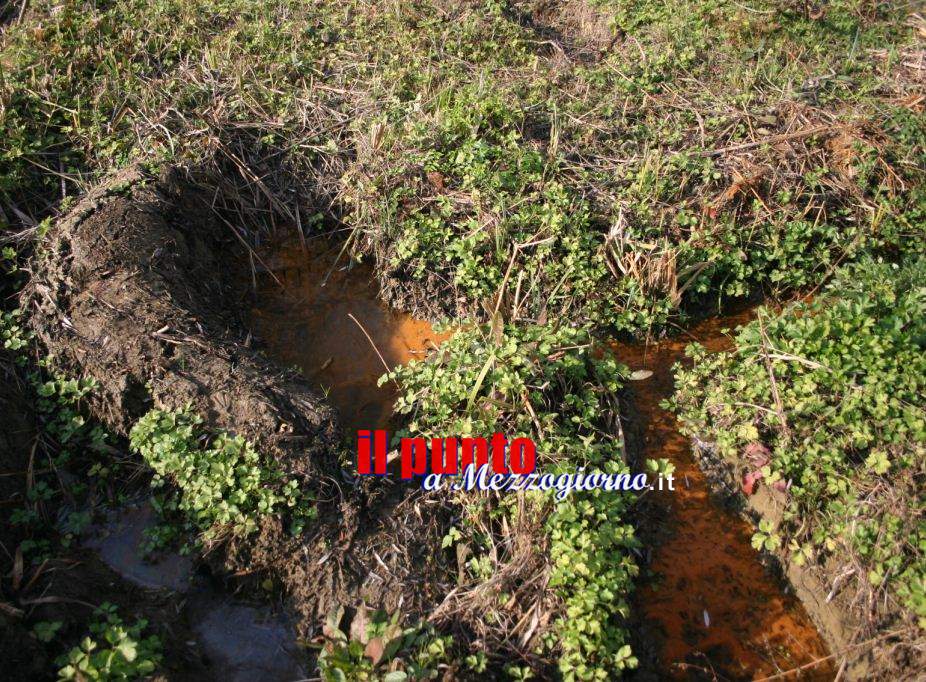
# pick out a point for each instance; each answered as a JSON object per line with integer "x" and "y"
{"x": 119, "y": 543}
{"x": 240, "y": 641}
{"x": 308, "y": 324}
{"x": 245, "y": 642}
{"x": 721, "y": 613}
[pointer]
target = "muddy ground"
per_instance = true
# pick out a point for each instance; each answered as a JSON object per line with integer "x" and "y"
{"x": 136, "y": 288}
{"x": 140, "y": 286}
{"x": 69, "y": 586}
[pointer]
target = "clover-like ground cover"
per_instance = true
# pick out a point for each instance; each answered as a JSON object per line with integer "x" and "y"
{"x": 524, "y": 166}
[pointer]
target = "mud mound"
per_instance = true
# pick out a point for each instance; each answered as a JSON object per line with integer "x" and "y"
{"x": 135, "y": 287}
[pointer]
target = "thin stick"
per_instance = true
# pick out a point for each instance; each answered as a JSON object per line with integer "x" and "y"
{"x": 253, "y": 272}
{"x": 305, "y": 249}
{"x": 501, "y": 288}
{"x": 779, "y": 406}
{"x": 381, "y": 358}
{"x": 769, "y": 140}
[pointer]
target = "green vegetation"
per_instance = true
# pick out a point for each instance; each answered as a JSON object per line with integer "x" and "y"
{"x": 70, "y": 442}
{"x": 614, "y": 165}
{"x": 460, "y": 145}
{"x": 15, "y": 337}
{"x": 112, "y": 651}
{"x": 545, "y": 383}
{"x": 834, "y": 390}
{"x": 382, "y": 650}
{"x": 221, "y": 480}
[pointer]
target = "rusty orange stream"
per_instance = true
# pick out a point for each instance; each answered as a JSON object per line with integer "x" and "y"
{"x": 308, "y": 324}
{"x": 720, "y": 611}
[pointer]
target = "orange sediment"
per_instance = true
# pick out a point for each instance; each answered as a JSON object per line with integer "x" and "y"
{"x": 308, "y": 324}
{"x": 720, "y": 611}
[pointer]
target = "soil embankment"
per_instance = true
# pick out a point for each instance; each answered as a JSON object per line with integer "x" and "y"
{"x": 135, "y": 288}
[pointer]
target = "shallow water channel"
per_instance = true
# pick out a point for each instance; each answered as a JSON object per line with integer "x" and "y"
{"x": 717, "y": 610}
{"x": 713, "y": 610}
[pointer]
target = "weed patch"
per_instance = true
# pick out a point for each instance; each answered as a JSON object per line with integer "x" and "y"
{"x": 825, "y": 402}
{"x": 544, "y": 382}
{"x": 112, "y": 651}
{"x": 221, "y": 480}
{"x": 379, "y": 648}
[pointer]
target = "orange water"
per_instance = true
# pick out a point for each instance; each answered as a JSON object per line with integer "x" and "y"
{"x": 720, "y": 611}
{"x": 752, "y": 628}
{"x": 307, "y": 323}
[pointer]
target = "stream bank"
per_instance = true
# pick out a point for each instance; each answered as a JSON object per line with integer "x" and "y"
{"x": 709, "y": 600}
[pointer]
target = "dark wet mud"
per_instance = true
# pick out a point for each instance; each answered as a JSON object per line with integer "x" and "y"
{"x": 719, "y": 612}
{"x": 319, "y": 320}
{"x": 237, "y": 641}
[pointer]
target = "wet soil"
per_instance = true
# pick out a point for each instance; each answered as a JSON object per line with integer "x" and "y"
{"x": 319, "y": 319}
{"x": 119, "y": 542}
{"x": 236, "y": 640}
{"x": 138, "y": 286}
{"x": 69, "y": 584}
{"x": 717, "y": 610}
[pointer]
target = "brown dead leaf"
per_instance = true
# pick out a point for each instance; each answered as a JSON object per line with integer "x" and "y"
{"x": 374, "y": 650}
{"x": 436, "y": 180}
{"x": 757, "y": 454}
{"x": 844, "y": 154}
{"x": 741, "y": 184}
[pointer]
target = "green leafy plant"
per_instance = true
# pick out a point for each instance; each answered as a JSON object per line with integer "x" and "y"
{"x": 766, "y": 538}
{"x": 112, "y": 650}
{"x": 45, "y": 631}
{"x": 833, "y": 389}
{"x": 14, "y": 335}
{"x": 382, "y": 650}
{"x": 520, "y": 379}
{"x": 71, "y": 440}
{"x": 221, "y": 479}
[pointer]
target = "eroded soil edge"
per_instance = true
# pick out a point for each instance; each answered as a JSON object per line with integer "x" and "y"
{"x": 134, "y": 288}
